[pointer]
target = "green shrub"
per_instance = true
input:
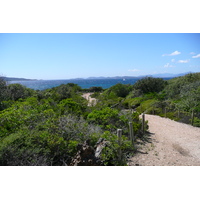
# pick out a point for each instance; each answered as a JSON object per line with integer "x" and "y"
{"x": 70, "y": 106}
{"x": 150, "y": 84}
{"x": 72, "y": 127}
{"x": 147, "y": 106}
{"x": 110, "y": 154}
{"x": 133, "y": 102}
{"x": 33, "y": 148}
{"x": 196, "y": 122}
{"x": 120, "y": 90}
{"x": 17, "y": 91}
{"x": 176, "y": 85}
{"x": 106, "y": 118}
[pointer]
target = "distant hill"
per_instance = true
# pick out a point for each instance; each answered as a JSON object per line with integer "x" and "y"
{"x": 115, "y": 77}
{"x": 16, "y": 79}
{"x": 164, "y": 75}
{"x": 167, "y": 75}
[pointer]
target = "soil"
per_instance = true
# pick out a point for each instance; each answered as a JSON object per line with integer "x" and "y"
{"x": 169, "y": 143}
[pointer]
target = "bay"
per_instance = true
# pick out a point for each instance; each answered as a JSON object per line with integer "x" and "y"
{"x": 83, "y": 83}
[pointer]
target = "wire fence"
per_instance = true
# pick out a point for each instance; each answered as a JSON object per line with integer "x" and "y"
{"x": 132, "y": 134}
{"x": 192, "y": 117}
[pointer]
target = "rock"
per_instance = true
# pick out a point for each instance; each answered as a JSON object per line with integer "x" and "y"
{"x": 85, "y": 156}
{"x": 101, "y": 144}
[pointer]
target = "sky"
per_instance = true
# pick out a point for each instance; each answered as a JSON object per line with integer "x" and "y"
{"x": 81, "y": 55}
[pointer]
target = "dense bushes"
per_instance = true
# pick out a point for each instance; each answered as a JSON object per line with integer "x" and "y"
{"x": 13, "y": 92}
{"x": 36, "y": 148}
{"x": 179, "y": 98}
{"x": 173, "y": 89}
{"x": 185, "y": 92}
{"x": 150, "y": 84}
{"x": 3, "y": 88}
{"x": 45, "y": 127}
{"x": 17, "y": 91}
{"x": 120, "y": 90}
{"x": 35, "y": 133}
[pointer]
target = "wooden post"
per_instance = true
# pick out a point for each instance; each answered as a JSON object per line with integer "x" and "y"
{"x": 192, "y": 120}
{"x": 131, "y": 132}
{"x": 153, "y": 111}
{"x": 119, "y": 135}
{"x": 143, "y": 122}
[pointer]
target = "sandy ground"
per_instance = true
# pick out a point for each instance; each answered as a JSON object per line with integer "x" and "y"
{"x": 171, "y": 144}
{"x": 89, "y": 98}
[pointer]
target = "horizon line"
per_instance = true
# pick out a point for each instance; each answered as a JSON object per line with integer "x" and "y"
{"x": 106, "y": 77}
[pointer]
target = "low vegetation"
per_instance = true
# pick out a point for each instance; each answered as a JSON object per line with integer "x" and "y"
{"x": 178, "y": 98}
{"x": 45, "y": 127}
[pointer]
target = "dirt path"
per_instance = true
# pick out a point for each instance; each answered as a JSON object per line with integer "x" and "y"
{"x": 171, "y": 144}
{"x": 91, "y": 100}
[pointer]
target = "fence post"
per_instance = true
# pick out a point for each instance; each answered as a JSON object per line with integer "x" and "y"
{"x": 153, "y": 112}
{"x": 178, "y": 113}
{"x": 192, "y": 120}
{"x": 143, "y": 122}
{"x": 119, "y": 135}
{"x": 131, "y": 132}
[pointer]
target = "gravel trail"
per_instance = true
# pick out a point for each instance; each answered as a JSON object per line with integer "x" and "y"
{"x": 171, "y": 144}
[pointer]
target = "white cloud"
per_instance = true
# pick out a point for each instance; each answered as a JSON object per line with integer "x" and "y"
{"x": 197, "y": 56}
{"x": 172, "y": 54}
{"x": 192, "y": 53}
{"x": 175, "y": 53}
{"x": 183, "y": 61}
{"x": 133, "y": 70}
{"x": 168, "y": 65}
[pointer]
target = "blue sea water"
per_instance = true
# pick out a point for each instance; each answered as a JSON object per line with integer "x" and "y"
{"x": 83, "y": 83}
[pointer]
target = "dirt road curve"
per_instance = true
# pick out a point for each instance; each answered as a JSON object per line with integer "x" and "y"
{"x": 171, "y": 144}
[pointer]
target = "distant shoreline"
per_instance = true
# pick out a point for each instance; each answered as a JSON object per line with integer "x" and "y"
{"x": 84, "y": 84}
{"x": 17, "y": 79}
{"x": 164, "y": 76}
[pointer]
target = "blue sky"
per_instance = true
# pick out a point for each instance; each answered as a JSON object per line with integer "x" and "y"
{"x": 82, "y": 55}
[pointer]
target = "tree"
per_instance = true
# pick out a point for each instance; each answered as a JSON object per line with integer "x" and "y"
{"x": 63, "y": 91}
{"x": 150, "y": 85}
{"x": 17, "y": 91}
{"x": 120, "y": 90}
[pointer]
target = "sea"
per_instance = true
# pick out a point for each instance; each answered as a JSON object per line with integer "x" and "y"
{"x": 83, "y": 83}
